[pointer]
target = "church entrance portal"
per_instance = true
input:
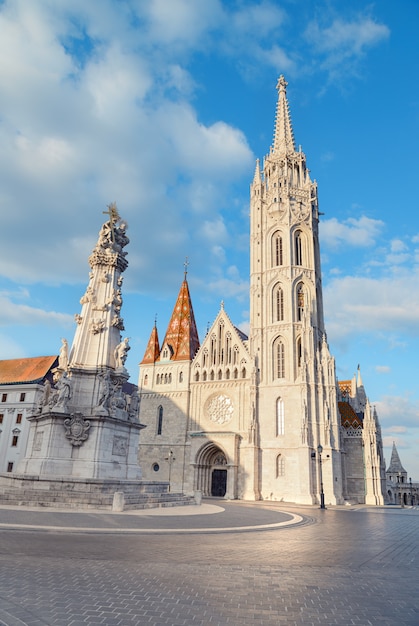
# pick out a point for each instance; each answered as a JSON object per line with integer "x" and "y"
{"x": 211, "y": 476}
{"x": 219, "y": 483}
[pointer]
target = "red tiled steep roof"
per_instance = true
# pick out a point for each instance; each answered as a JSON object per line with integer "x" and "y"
{"x": 18, "y": 371}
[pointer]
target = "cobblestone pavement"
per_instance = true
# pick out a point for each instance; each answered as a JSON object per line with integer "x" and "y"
{"x": 341, "y": 566}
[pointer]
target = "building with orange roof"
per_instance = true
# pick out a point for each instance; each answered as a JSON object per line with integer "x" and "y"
{"x": 21, "y": 386}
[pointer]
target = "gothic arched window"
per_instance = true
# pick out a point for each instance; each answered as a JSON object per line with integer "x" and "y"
{"x": 277, "y": 250}
{"x": 298, "y": 241}
{"x": 159, "y": 420}
{"x": 278, "y": 304}
{"x": 280, "y": 466}
{"x": 279, "y": 359}
{"x": 300, "y": 301}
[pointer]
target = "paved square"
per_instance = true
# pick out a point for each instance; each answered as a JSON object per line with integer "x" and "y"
{"x": 339, "y": 566}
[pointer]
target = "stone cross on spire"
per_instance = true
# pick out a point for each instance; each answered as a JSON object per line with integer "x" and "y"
{"x": 114, "y": 217}
{"x": 284, "y": 135}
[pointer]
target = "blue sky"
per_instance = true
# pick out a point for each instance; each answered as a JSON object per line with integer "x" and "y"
{"x": 163, "y": 106}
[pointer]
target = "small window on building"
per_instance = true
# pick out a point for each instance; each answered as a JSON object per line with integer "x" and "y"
{"x": 1, "y": 418}
{"x": 15, "y": 440}
{"x": 280, "y": 466}
{"x": 22, "y": 397}
{"x": 145, "y": 380}
{"x": 4, "y": 397}
{"x": 10, "y": 466}
{"x": 181, "y": 377}
{"x": 156, "y": 467}
{"x": 19, "y": 417}
{"x": 159, "y": 420}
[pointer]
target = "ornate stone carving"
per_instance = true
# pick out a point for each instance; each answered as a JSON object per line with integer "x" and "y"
{"x": 120, "y": 446}
{"x": 97, "y": 326}
{"x": 219, "y": 408}
{"x": 76, "y": 429}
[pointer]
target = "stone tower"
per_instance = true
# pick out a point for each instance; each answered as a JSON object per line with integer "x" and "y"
{"x": 296, "y": 410}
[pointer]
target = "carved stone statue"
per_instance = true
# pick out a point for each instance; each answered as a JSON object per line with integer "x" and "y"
{"x": 63, "y": 356}
{"x": 105, "y": 390}
{"x": 45, "y": 397}
{"x": 134, "y": 405}
{"x": 64, "y": 391}
{"x": 120, "y": 353}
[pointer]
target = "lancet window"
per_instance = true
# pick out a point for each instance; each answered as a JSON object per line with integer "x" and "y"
{"x": 159, "y": 420}
{"x": 278, "y": 304}
{"x": 298, "y": 243}
{"x": 277, "y": 250}
{"x": 280, "y": 466}
{"x": 300, "y": 301}
{"x": 279, "y": 359}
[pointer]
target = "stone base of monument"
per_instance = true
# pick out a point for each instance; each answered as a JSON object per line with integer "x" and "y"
{"x": 74, "y": 493}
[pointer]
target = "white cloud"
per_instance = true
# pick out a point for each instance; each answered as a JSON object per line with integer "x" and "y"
{"x": 342, "y": 43}
{"x": 382, "y": 369}
{"x": 350, "y": 38}
{"x": 24, "y": 315}
{"x": 356, "y": 305}
{"x": 357, "y": 232}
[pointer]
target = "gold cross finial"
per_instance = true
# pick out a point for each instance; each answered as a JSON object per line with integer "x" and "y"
{"x": 185, "y": 265}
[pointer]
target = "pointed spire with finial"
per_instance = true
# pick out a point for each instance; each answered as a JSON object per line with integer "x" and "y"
{"x": 182, "y": 334}
{"x": 284, "y": 135}
{"x": 257, "y": 179}
{"x": 152, "y": 351}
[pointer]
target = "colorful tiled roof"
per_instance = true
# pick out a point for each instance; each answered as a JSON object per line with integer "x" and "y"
{"x": 152, "y": 351}
{"x": 345, "y": 387}
{"x": 182, "y": 334}
{"x": 348, "y": 417}
{"x": 31, "y": 370}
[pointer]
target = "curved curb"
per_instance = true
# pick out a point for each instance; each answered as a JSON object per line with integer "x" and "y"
{"x": 293, "y": 521}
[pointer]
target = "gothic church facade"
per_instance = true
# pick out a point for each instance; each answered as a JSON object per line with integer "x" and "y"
{"x": 259, "y": 417}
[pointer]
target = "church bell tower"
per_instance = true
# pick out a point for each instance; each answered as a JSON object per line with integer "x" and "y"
{"x": 296, "y": 408}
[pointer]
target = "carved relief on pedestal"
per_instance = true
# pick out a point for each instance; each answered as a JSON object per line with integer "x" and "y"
{"x": 120, "y": 446}
{"x": 76, "y": 429}
{"x": 37, "y": 442}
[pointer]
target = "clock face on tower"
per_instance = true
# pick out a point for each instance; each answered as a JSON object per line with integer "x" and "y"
{"x": 219, "y": 408}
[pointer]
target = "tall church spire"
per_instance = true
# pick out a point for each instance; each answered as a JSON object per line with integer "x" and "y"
{"x": 284, "y": 135}
{"x": 182, "y": 335}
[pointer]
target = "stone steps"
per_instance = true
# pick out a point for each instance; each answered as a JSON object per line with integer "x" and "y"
{"x": 91, "y": 494}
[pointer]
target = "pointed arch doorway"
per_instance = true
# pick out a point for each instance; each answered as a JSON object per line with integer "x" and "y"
{"x": 212, "y": 471}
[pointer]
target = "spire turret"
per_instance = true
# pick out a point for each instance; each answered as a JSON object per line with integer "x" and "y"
{"x": 182, "y": 335}
{"x": 284, "y": 135}
{"x": 396, "y": 466}
{"x": 152, "y": 351}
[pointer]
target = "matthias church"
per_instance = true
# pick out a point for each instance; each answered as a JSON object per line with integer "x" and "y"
{"x": 262, "y": 417}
